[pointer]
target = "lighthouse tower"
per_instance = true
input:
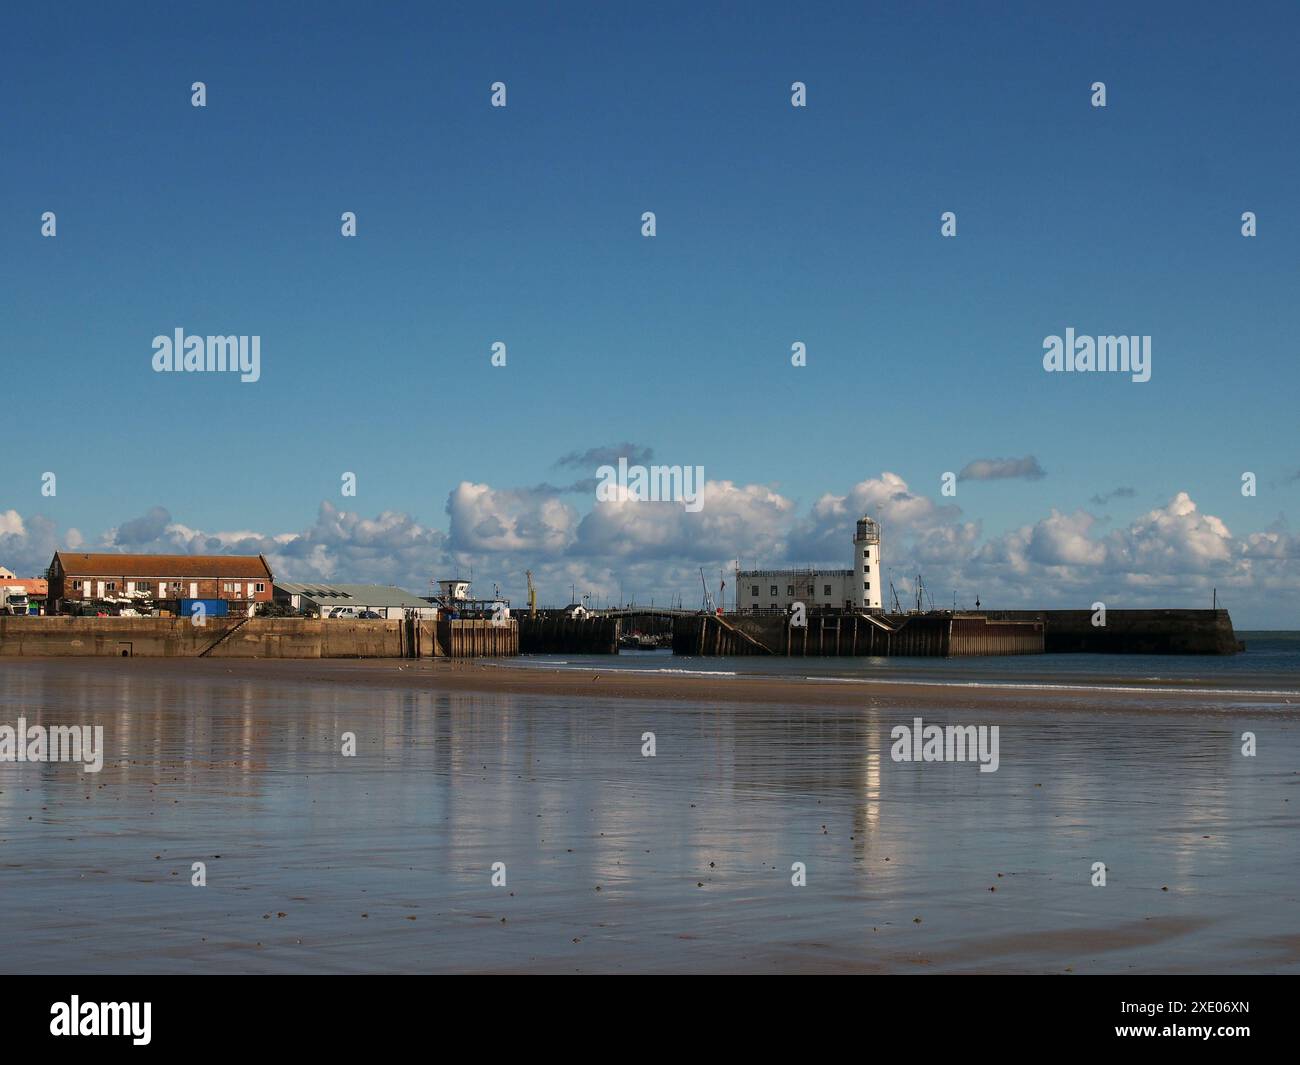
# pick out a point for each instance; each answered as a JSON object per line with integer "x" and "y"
{"x": 866, "y": 566}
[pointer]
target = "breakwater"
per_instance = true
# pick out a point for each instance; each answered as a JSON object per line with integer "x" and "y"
{"x": 1139, "y": 632}
{"x": 922, "y": 635}
{"x": 255, "y": 638}
{"x": 1186, "y": 632}
{"x": 944, "y": 634}
{"x": 549, "y": 634}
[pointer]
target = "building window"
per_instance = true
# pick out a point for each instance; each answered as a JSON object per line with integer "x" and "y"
{"x": 866, "y": 585}
{"x": 76, "y": 586}
{"x": 230, "y": 586}
{"x": 828, "y": 589}
{"x": 789, "y": 589}
{"x": 866, "y": 552}
{"x": 755, "y": 591}
{"x": 261, "y": 587}
{"x": 774, "y": 592}
{"x": 110, "y": 586}
{"x": 176, "y": 586}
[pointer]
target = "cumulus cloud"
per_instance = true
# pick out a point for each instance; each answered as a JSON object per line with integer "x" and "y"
{"x": 1062, "y": 540}
{"x": 142, "y": 530}
{"x": 1174, "y": 538}
{"x": 1169, "y": 556}
{"x": 11, "y": 523}
{"x": 1163, "y": 557}
{"x": 486, "y": 519}
{"x": 1026, "y": 469}
{"x": 825, "y": 534}
{"x": 27, "y": 544}
{"x": 734, "y": 518}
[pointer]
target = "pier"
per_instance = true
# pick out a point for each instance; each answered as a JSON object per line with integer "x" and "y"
{"x": 853, "y": 634}
{"x": 555, "y": 634}
{"x": 1135, "y": 632}
{"x": 940, "y": 634}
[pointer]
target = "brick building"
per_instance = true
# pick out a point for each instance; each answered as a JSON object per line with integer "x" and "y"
{"x": 149, "y": 583}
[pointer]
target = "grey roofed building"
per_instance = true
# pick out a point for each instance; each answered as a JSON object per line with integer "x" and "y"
{"x": 386, "y": 600}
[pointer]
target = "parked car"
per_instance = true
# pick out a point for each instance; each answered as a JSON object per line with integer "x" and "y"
{"x": 370, "y": 614}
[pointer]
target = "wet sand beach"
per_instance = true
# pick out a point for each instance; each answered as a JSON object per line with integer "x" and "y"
{"x": 617, "y": 862}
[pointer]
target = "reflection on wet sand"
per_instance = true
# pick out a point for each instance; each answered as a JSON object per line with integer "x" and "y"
{"x": 615, "y": 861}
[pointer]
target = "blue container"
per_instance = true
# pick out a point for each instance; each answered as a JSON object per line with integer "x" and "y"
{"x": 213, "y": 608}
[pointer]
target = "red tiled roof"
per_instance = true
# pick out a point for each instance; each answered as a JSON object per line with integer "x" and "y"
{"x": 193, "y": 566}
{"x": 31, "y": 585}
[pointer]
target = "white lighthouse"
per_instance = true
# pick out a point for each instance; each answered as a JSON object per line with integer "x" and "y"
{"x": 763, "y": 591}
{"x": 866, "y": 565}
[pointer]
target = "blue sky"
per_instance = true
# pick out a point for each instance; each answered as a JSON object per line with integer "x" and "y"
{"x": 775, "y": 224}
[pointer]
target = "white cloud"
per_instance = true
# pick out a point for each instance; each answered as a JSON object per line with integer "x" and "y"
{"x": 11, "y": 523}
{"x": 1062, "y": 540}
{"x": 749, "y": 519}
{"x": 1172, "y": 555}
{"x": 486, "y": 519}
{"x": 826, "y": 535}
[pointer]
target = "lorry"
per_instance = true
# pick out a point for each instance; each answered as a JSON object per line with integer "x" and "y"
{"x": 13, "y": 600}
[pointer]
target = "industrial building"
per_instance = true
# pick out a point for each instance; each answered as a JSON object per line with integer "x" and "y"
{"x": 855, "y": 589}
{"x": 146, "y": 584}
{"x": 353, "y": 600}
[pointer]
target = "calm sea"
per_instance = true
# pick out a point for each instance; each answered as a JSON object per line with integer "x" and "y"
{"x": 1270, "y": 663}
{"x": 495, "y": 832}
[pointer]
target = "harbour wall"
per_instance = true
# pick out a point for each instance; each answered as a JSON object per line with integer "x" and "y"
{"x": 255, "y": 638}
{"x": 1139, "y": 632}
{"x": 829, "y": 635}
{"x": 994, "y": 632}
{"x": 560, "y": 635}
{"x": 989, "y": 633}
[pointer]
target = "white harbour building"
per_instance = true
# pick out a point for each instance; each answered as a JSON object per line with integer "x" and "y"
{"x": 858, "y": 588}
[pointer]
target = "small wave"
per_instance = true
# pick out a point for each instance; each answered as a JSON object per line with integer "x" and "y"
{"x": 686, "y": 672}
{"x": 999, "y": 685}
{"x": 913, "y": 681}
{"x": 586, "y": 667}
